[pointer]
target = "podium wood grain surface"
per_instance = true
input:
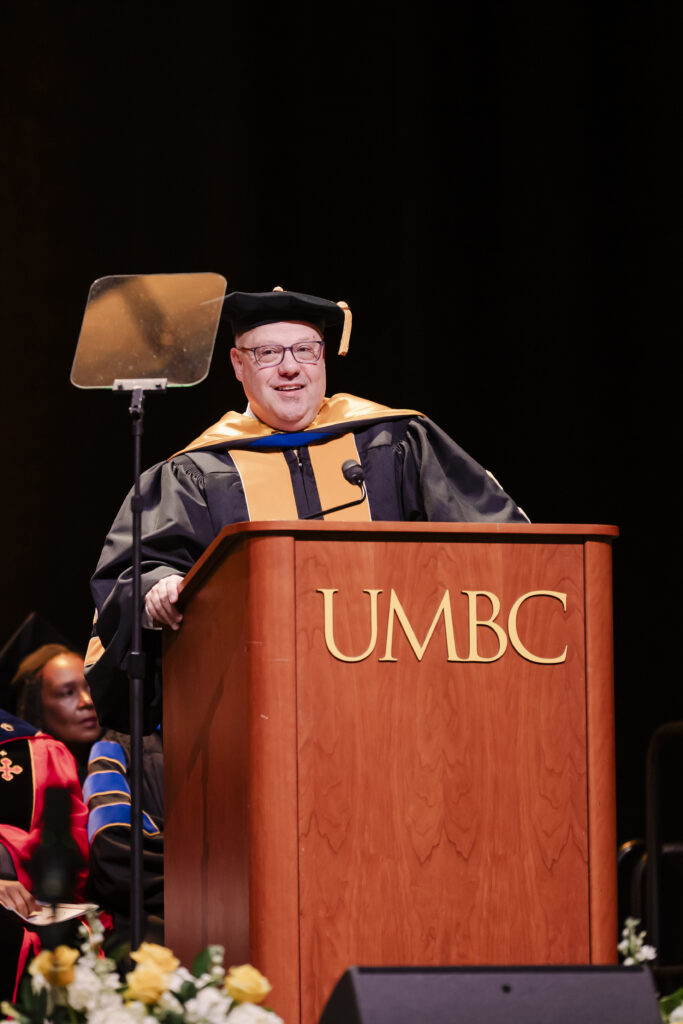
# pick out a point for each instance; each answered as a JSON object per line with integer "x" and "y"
{"x": 401, "y": 808}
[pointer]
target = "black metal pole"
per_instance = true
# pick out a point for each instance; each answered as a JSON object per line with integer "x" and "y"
{"x": 136, "y": 676}
{"x": 654, "y": 831}
{"x": 653, "y": 841}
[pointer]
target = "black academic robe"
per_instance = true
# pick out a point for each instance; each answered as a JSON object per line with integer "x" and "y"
{"x": 413, "y": 472}
{"x": 30, "y": 763}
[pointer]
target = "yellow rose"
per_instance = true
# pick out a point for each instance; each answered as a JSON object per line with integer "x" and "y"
{"x": 57, "y": 968}
{"x": 246, "y": 984}
{"x": 146, "y": 983}
{"x": 42, "y": 964}
{"x": 156, "y": 956}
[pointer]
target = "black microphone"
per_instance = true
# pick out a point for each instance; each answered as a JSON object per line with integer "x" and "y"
{"x": 56, "y": 860}
{"x": 353, "y": 473}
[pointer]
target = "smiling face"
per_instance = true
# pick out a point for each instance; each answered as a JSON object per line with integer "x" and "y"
{"x": 288, "y": 396}
{"x": 68, "y": 711}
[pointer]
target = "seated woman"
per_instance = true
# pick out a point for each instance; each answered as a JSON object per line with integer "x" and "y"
{"x": 50, "y": 691}
{"x": 30, "y": 762}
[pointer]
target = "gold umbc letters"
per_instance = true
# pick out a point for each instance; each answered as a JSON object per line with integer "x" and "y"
{"x": 397, "y": 613}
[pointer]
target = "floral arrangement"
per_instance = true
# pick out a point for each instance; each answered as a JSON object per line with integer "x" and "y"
{"x": 635, "y": 950}
{"x": 68, "y": 987}
{"x": 632, "y": 946}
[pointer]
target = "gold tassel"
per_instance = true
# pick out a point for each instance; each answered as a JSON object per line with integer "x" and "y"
{"x": 346, "y": 331}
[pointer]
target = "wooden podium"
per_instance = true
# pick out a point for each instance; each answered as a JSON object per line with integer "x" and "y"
{"x": 392, "y": 744}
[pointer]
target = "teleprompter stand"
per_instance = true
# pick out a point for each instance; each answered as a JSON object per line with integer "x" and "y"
{"x": 144, "y": 333}
{"x": 136, "y": 659}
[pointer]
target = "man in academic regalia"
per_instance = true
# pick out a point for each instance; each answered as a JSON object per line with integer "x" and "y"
{"x": 280, "y": 459}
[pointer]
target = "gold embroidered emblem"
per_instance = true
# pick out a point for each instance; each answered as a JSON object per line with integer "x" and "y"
{"x": 9, "y": 770}
{"x": 6, "y": 726}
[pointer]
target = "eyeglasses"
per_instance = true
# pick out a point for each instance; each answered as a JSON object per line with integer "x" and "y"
{"x": 272, "y": 355}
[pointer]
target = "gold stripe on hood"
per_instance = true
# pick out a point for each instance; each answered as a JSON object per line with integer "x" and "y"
{"x": 340, "y": 409}
{"x": 267, "y": 484}
{"x": 333, "y": 487}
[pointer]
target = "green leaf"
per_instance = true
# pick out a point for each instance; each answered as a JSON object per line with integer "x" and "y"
{"x": 114, "y": 942}
{"x": 669, "y": 1003}
{"x": 187, "y": 991}
{"x": 41, "y": 1003}
{"x": 117, "y": 952}
{"x": 202, "y": 963}
{"x": 173, "y": 1018}
{"x": 32, "y": 1005}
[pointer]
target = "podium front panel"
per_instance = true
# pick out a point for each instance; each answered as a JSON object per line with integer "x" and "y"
{"x": 442, "y": 803}
{"x": 387, "y": 755}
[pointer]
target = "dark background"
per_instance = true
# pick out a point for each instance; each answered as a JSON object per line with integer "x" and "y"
{"x": 495, "y": 189}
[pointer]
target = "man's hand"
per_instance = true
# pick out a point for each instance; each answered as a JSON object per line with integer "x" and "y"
{"x": 14, "y": 896}
{"x": 161, "y": 600}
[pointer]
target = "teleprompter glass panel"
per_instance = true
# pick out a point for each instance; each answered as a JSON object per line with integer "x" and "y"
{"x": 148, "y": 326}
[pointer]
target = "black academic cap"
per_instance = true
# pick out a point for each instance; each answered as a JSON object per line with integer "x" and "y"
{"x": 246, "y": 310}
{"x": 34, "y": 632}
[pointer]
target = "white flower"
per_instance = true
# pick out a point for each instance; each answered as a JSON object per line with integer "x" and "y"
{"x": 632, "y": 946}
{"x": 9, "y": 1011}
{"x": 110, "y": 980}
{"x": 137, "y": 1010}
{"x": 209, "y": 1007}
{"x": 84, "y": 990}
{"x": 112, "y": 1001}
{"x": 676, "y": 1015}
{"x": 167, "y": 1001}
{"x": 177, "y": 978}
{"x": 250, "y": 1013}
{"x": 117, "y": 1014}
{"x": 38, "y": 981}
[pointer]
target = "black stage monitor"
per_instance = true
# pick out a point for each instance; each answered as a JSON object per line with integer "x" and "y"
{"x": 481, "y": 995}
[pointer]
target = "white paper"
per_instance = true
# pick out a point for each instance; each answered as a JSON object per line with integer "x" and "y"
{"x": 55, "y": 915}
